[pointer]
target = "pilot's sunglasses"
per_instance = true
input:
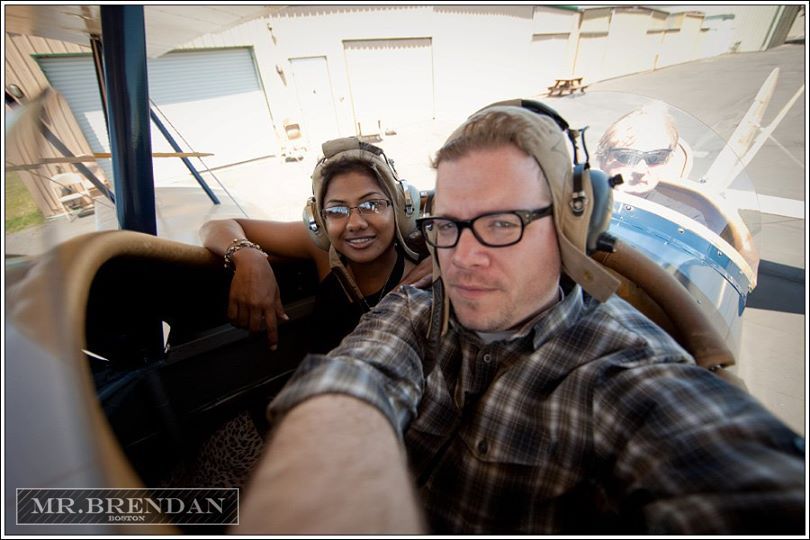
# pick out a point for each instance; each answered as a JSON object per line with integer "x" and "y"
{"x": 494, "y": 229}
{"x": 365, "y": 208}
{"x": 629, "y": 157}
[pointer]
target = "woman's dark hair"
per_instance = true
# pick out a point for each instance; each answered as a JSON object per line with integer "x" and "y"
{"x": 344, "y": 166}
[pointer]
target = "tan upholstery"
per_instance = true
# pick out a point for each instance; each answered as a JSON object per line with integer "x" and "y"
{"x": 657, "y": 294}
{"x": 49, "y": 305}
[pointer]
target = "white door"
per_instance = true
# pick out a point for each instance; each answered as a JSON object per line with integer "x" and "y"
{"x": 590, "y": 63}
{"x": 391, "y": 83}
{"x": 211, "y": 101}
{"x": 549, "y": 60}
{"x": 314, "y": 89}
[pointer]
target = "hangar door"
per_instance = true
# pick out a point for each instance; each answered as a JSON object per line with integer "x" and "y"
{"x": 590, "y": 62}
{"x": 313, "y": 87}
{"x": 212, "y": 99}
{"x": 391, "y": 83}
{"x": 549, "y": 60}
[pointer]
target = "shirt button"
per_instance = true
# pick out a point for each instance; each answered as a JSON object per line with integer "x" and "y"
{"x": 487, "y": 358}
{"x": 483, "y": 447}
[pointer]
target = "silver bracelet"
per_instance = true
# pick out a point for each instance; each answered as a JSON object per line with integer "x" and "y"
{"x": 238, "y": 244}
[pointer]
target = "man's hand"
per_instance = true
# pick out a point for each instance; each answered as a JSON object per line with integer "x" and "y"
{"x": 420, "y": 275}
{"x": 254, "y": 301}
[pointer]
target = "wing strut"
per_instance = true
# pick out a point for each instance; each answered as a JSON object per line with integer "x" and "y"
{"x": 98, "y": 51}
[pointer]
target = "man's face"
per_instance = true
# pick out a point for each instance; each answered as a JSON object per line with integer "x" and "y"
{"x": 494, "y": 289}
{"x": 644, "y": 163}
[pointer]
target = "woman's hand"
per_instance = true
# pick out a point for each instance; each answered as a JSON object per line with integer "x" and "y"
{"x": 254, "y": 301}
{"x": 420, "y": 275}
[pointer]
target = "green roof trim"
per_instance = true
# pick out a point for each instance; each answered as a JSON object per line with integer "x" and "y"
{"x": 52, "y": 55}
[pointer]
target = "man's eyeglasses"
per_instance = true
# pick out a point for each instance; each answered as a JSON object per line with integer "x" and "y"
{"x": 365, "y": 208}
{"x": 495, "y": 229}
{"x": 629, "y": 157}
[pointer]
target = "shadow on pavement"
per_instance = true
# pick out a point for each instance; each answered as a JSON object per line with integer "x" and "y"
{"x": 779, "y": 288}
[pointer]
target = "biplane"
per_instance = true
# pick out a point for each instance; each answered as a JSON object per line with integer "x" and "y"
{"x": 118, "y": 345}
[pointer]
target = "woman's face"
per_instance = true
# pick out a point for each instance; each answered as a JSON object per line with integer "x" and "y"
{"x": 367, "y": 232}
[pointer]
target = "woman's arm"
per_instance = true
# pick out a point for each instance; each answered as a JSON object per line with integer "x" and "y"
{"x": 254, "y": 301}
{"x": 281, "y": 240}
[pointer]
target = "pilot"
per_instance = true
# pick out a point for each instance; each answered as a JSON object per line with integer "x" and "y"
{"x": 519, "y": 396}
{"x": 641, "y": 146}
{"x": 645, "y": 148}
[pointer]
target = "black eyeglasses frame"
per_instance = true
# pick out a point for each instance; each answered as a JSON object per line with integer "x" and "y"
{"x": 526, "y": 217}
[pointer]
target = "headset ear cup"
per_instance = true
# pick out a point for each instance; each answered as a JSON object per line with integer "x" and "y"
{"x": 410, "y": 210}
{"x": 315, "y": 226}
{"x": 602, "y": 207}
{"x": 576, "y": 178}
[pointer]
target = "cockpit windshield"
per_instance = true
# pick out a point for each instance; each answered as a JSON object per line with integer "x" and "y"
{"x": 671, "y": 164}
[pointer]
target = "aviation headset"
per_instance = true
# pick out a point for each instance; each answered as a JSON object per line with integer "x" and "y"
{"x": 405, "y": 198}
{"x": 583, "y": 174}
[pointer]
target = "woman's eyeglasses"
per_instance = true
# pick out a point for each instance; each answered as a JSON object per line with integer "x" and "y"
{"x": 629, "y": 157}
{"x": 365, "y": 208}
{"x": 495, "y": 229}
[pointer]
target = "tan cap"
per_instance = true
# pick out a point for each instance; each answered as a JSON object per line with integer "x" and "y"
{"x": 404, "y": 199}
{"x": 546, "y": 143}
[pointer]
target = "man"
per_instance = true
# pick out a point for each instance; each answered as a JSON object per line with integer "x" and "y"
{"x": 645, "y": 148}
{"x": 641, "y": 146}
{"x": 524, "y": 405}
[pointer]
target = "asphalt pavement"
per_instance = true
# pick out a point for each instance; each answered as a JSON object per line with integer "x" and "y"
{"x": 719, "y": 91}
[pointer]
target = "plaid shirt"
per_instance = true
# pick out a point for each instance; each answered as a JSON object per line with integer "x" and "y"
{"x": 589, "y": 420}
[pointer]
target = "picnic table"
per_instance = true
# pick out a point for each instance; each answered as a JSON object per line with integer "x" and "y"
{"x": 569, "y": 85}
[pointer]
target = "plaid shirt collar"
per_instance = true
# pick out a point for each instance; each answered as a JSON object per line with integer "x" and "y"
{"x": 475, "y": 376}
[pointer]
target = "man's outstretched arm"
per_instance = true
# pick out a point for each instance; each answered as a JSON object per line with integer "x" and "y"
{"x": 333, "y": 466}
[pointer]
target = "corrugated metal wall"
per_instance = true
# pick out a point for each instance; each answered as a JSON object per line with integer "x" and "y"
{"x": 22, "y": 70}
{"x": 211, "y": 99}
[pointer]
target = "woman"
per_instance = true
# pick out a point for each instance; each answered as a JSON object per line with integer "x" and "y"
{"x": 359, "y": 249}
{"x": 360, "y": 218}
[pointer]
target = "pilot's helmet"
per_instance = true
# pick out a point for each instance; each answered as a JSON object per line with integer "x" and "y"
{"x": 543, "y": 139}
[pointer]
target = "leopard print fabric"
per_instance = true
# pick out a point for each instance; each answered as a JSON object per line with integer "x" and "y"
{"x": 225, "y": 459}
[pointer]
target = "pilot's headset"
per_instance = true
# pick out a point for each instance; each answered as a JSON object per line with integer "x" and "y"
{"x": 591, "y": 189}
{"x": 404, "y": 197}
{"x": 581, "y": 197}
